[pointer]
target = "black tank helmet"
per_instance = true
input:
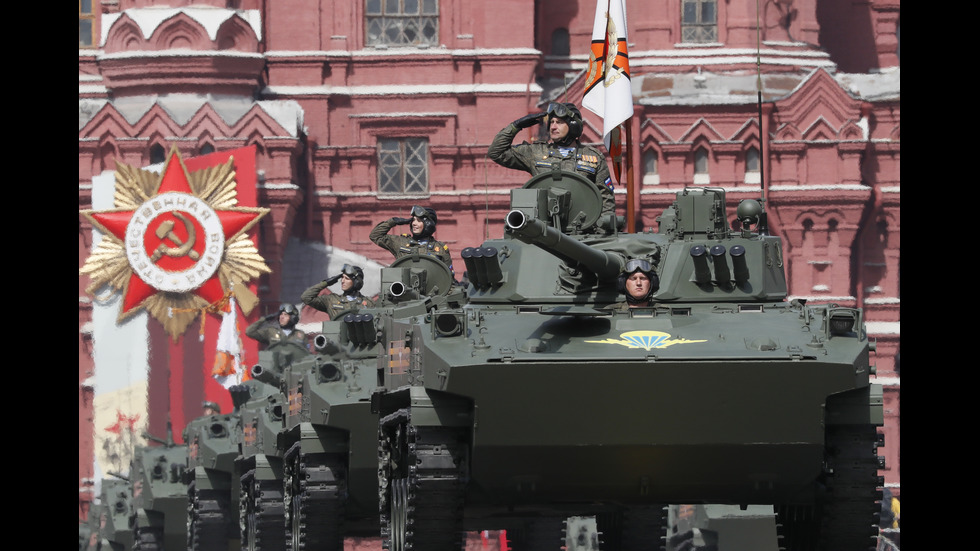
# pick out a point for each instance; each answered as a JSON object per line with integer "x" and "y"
{"x": 356, "y": 274}
{"x": 638, "y": 265}
{"x": 293, "y": 314}
{"x": 429, "y": 220}
{"x": 572, "y": 117}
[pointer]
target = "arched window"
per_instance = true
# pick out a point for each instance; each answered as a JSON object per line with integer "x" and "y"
{"x": 157, "y": 154}
{"x": 560, "y": 42}
{"x": 650, "y": 161}
{"x": 701, "y": 167}
{"x": 701, "y": 161}
{"x": 752, "y": 173}
{"x": 207, "y": 148}
{"x": 752, "y": 160}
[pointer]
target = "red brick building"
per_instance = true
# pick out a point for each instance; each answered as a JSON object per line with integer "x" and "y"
{"x": 357, "y": 113}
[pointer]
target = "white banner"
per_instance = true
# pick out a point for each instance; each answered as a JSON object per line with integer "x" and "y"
{"x": 608, "y": 92}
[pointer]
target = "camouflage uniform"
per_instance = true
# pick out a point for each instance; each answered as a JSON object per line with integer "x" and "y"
{"x": 333, "y": 304}
{"x": 538, "y": 157}
{"x": 406, "y": 245}
{"x": 273, "y": 334}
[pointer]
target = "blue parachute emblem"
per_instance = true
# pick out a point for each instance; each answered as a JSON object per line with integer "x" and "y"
{"x": 645, "y": 339}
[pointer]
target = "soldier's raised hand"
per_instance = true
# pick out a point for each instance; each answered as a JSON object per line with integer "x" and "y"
{"x": 529, "y": 120}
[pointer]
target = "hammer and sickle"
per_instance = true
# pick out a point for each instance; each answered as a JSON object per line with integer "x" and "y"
{"x": 166, "y": 231}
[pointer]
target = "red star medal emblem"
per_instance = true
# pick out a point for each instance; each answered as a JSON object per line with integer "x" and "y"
{"x": 175, "y": 239}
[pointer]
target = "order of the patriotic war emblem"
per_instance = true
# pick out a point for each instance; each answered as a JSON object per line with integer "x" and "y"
{"x": 175, "y": 241}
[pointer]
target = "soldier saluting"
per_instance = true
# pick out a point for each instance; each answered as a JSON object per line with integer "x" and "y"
{"x": 266, "y": 333}
{"x": 351, "y": 278}
{"x": 563, "y": 149}
{"x": 422, "y": 225}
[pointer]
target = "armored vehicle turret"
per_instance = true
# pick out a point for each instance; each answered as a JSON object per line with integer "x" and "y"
{"x": 159, "y": 504}
{"x": 546, "y": 396}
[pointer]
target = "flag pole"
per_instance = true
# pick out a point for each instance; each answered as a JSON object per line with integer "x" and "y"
{"x": 630, "y": 193}
{"x": 628, "y": 159}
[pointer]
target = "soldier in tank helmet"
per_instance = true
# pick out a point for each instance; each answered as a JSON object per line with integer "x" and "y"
{"x": 211, "y": 408}
{"x": 351, "y": 278}
{"x": 563, "y": 148}
{"x": 639, "y": 281}
{"x": 288, "y": 317}
{"x": 422, "y": 224}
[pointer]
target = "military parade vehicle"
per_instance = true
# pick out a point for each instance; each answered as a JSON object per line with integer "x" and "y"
{"x": 115, "y": 497}
{"x": 158, "y": 514}
{"x": 213, "y": 444}
{"x": 107, "y": 527}
{"x": 260, "y": 507}
{"x": 261, "y": 510}
{"x": 542, "y": 397}
{"x": 330, "y": 440}
{"x": 331, "y": 435}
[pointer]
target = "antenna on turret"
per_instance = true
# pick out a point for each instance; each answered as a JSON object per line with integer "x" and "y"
{"x": 169, "y": 442}
{"x": 763, "y": 225}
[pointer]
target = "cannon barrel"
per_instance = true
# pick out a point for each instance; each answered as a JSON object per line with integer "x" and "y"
{"x": 266, "y": 375}
{"x": 324, "y": 345}
{"x": 606, "y": 265}
{"x": 156, "y": 439}
{"x": 398, "y": 291}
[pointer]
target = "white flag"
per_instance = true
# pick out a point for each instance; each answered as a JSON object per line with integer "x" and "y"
{"x": 608, "y": 92}
{"x": 228, "y": 359}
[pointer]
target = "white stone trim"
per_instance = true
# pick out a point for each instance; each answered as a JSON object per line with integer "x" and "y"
{"x": 403, "y": 90}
